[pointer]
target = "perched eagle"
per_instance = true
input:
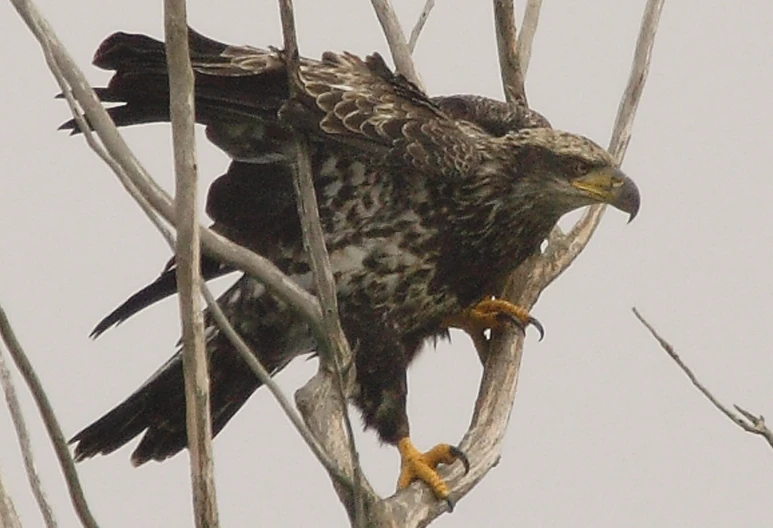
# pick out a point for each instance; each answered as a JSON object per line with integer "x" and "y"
{"x": 427, "y": 205}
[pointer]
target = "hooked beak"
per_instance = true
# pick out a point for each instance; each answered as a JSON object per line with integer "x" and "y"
{"x": 611, "y": 186}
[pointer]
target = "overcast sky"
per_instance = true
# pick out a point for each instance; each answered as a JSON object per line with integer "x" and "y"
{"x": 605, "y": 431}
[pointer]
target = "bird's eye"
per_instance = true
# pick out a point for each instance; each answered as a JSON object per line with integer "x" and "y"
{"x": 581, "y": 168}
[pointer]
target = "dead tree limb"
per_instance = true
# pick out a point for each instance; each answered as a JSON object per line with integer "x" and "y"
{"x": 747, "y": 421}
{"x": 336, "y": 355}
{"x": 53, "y": 428}
{"x": 25, "y": 445}
{"x": 188, "y": 256}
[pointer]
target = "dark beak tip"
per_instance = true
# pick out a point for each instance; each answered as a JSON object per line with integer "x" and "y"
{"x": 629, "y": 200}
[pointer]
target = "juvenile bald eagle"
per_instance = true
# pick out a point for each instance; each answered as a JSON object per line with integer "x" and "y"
{"x": 427, "y": 204}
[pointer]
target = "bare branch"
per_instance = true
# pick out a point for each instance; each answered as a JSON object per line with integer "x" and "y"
{"x": 25, "y": 444}
{"x": 338, "y": 356}
{"x": 621, "y": 132}
{"x": 507, "y": 46}
{"x": 526, "y": 35}
{"x": 398, "y": 46}
{"x": 746, "y": 421}
{"x": 565, "y": 249}
{"x": 188, "y": 256}
{"x": 416, "y": 31}
{"x": 53, "y": 428}
{"x": 8, "y": 516}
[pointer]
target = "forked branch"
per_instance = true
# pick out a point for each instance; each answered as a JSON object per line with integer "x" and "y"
{"x": 747, "y": 421}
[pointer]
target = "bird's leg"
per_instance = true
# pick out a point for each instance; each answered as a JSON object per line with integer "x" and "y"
{"x": 416, "y": 465}
{"x": 493, "y": 314}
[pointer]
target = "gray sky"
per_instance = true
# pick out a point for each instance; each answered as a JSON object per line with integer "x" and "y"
{"x": 605, "y": 430}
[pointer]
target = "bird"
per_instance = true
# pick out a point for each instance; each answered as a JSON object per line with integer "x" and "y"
{"x": 426, "y": 203}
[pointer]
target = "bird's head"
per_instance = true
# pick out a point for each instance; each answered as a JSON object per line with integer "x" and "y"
{"x": 565, "y": 171}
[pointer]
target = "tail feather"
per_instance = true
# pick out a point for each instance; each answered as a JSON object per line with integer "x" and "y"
{"x": 237, "y": 102}
{"x": 248, "y": 204}
{"x": 161, "y": 288}
{"x": 158, "y": 408}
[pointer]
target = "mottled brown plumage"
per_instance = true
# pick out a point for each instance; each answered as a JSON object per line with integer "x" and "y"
{"x": 427, "y": 205}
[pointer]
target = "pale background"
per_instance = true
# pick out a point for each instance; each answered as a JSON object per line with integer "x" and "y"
{"x": 605, "y": 431}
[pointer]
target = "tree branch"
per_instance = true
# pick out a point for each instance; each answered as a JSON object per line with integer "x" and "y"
{"x": 745, "y": 420}
{"x": 564, "y": 249}
{"x": 49, "y": 420}
{"x": 338, "y": 356}
{"x": 417, "y": 29}
{"x": 398, "y": 46}
{"x": 526, "y": 36}
{"x": 8, "y": 516}
{"x": 188, "y": 256}
{"x": 17, "y": 416}
{"x": 509, "y": 59}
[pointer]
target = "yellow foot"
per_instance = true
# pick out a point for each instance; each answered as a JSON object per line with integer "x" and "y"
{"x": 494, "y": 314}
{"x": 416, "y": 465}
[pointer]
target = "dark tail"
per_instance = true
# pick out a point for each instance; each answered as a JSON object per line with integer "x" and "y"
{"x": 158, "y": 406}
{"x": 248, "y": 204}
{"x": 161, "y": 288}
{"x": 225, "y": 92}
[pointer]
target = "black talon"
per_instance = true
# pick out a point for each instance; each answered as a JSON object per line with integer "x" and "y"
{"x": 459, "y": 454}
{"x": 533, "y": 321}
{"x": 451, "y": 504}
{"x": 536, "y": 324}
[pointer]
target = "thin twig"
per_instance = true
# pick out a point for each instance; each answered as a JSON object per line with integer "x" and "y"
{"x": 566, "y": 248}
{"x": 25, "y": 444}
{"x": 747, "y": 421}
{"x": 526, "y": 35}
{"x": 398, "y": 46}
{"x": 338, "y": 356}
{"x": 507, "y": 46}
{"x": 8, "y": 516}
{"x": 416, "y": 31}
{"x": 188, "y": 256}
{"x": 53, "y": 428}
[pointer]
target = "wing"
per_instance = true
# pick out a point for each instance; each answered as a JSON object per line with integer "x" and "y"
{"x": 249, "y": 205}
{"x": 241, "y": 91}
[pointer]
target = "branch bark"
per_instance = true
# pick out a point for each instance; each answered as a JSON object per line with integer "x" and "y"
{"x": 507, "y": 47}
{"x": 526, "y": 36}
{"x": 188, "y": 255}
{"x": 8, "y": 516}
{"x": 22, "y": 433}
{"x": 419, "y": 26}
